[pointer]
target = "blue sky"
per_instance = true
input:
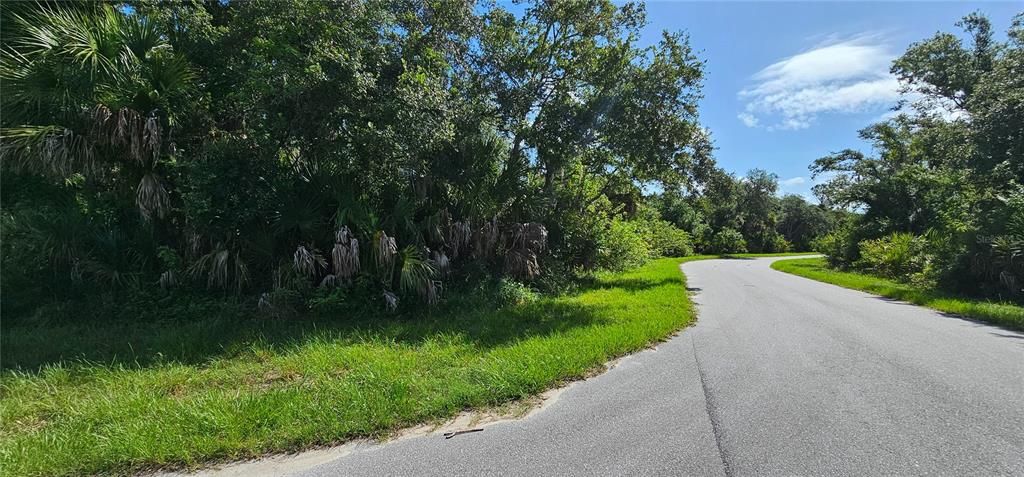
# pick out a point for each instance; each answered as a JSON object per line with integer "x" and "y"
{"x": 790, "y": 82}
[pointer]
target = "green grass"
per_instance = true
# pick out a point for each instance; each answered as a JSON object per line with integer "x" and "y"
{"x": 1004, "y": 314}
{"x": 145, "y": 395}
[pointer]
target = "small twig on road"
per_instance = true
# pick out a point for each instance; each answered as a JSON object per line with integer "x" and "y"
{"x": 449, "y": 435}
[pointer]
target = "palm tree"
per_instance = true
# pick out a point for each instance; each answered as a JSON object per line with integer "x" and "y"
{"x": 89, "y": 90}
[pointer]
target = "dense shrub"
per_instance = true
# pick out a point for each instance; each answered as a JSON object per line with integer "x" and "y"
{"x": 728, "y": 241}
{"x": 666, "y": 240}
{"x": 510, "y": 293}
{"x": 898, "y": 255}
{"x": 779, "y": 244}
{"x": 623, "y": 246}
{"x": 838, "y": 247}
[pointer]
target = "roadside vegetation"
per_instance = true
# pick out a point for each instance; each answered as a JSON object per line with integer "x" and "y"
{"x": 260, "y": 152}
{"x": 231, "y": 228}
{"x": 1005, "y": 314}
{"x": 941, "y": 201}
{"x": 149, "y": 394}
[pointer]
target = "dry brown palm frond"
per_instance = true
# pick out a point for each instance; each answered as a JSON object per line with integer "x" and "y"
{"x": 345, "y": 254}
{"x": 441, "y": 261}
{"x": 390, "y": 300}
{"x": 432, "y": 292}
{"x": 459, "y": 236}
{"x": 151, "y": 135}
{"x": 142, "y": 135}
{"x": 151, "y": 197}
{"x": 50, "y": 150}
{"x": 485, "y": 239}
{"x": 119, "y": 133}
{"x": 330, "y": 280}
{"x": 522, "y": 263}
{"x": 222, "y": 269}
{"x": 100, "y": 116}
{"x": 168, "y": 280}
{"x": 384, "y": 250}
{"x": 308, "y": 262}
{"x": 265, "y": 304}
{"x": 530, "y": 235}
{"x": 535, "y": 235}
{"x": 194, "y": 240}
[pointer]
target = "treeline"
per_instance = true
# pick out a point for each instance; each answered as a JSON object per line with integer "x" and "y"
{"x": 730, "y": 214}
{"x": 941, "y": 199}
{"x": 289, "y": 152}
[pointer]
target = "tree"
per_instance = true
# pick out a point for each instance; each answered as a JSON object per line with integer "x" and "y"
{"x": 759, "y": 209}
{"x": 801, "y": 222}
{"x": 950, "y": 169}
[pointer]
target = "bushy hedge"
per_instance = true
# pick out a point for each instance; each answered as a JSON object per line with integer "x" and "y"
{"x": 728, "y": 241}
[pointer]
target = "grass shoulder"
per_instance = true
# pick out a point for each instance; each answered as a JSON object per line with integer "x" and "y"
{"x": 85, "y": 398}
{"x": 1003, "y": 314}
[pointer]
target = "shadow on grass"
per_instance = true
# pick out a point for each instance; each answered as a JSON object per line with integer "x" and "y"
{"x": 195, "y": 341}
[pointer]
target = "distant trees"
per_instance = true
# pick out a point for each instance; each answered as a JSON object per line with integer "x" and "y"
{"x": 732, "y": 215}
{"x": 945, "y": 191}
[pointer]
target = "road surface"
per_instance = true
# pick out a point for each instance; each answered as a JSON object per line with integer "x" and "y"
{"x": 781, "y": 375}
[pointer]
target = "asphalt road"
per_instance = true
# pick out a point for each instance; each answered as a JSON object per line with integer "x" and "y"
{"x": 780, "y": 376}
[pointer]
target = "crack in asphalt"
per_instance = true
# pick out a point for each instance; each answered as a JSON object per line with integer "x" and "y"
{"x": 709, "y": 406}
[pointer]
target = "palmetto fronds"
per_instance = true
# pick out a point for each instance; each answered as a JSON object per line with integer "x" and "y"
{"x": 222, "y": 268}
{"x": 151, "y": 197}
{"x": 308, "y": 262}
{"x": 384, "y": 250}
{"x": 86, "y": 91}
{"x": 522, "y": 263}
{"x": 441, "y": 261}
{"x": 329, "y": 280}
{"x": 390, "y": 300}
{"x": 530, "y": 235}
{"x": 525, "y": 241}
{"x": 345, "y": 254}
{"x": 140, "y": 135}
{"x": 459, "y": 236}
{"x": 48, "y": 150}
{"x": 417, "y": 275}
{"x": 485, "y": 239}
{"x": 168, "y": 280}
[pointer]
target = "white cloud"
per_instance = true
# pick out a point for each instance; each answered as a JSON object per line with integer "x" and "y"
{"x": 748, "y": 120}
{"x": 793, "y": 181}
{"x": 840, "y": 77}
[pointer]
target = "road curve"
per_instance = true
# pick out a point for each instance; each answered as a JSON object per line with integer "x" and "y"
{"x": 781, "y": 375}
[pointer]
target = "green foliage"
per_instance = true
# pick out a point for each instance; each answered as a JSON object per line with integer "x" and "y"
{"x": 779, "y": 244}
{"x": 749, "y": 205}
{"x": 218, "y": 386}
{"x": 800, "y": 222}
{"x": 837, "y": 248}
{"x": 666, "y": 240}
{"x": 954, "y": 182}
{"x": 899, "y": 255}
{"x": 624, "y": 245}
{"x": 512, "y": 293}
{"x": 1001, "y": 313}
{"x": 727, "y": 241}
{"x": 441, "y": 138}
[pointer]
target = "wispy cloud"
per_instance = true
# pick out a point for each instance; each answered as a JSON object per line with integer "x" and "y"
{"x": 793, "y": 181}
{"x": 838, "y": 77}
{"x": 748, "y": 119}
